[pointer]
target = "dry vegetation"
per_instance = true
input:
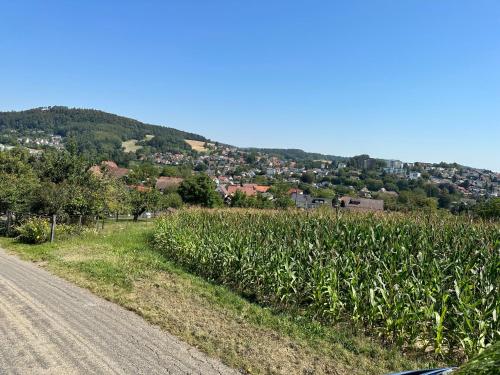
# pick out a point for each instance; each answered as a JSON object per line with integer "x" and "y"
{"x": 132, "y": 146}
{"x": 199, "y": 146}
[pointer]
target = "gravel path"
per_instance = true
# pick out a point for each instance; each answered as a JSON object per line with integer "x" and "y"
{"x": 49, "y": 326}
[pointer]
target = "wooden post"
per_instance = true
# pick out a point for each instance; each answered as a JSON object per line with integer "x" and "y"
{"x": 53, "y": 229}
{"x": 80, "y": 220}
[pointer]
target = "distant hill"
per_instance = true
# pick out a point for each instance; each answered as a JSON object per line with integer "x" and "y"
{"x": 98, "y": 134}
{"x": 295, "y": 154}
{"x": 101, "y": 135}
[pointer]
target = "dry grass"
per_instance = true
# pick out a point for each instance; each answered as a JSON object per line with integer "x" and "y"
{"x": 198, "y": 146}
{"x": 132, "y": 146}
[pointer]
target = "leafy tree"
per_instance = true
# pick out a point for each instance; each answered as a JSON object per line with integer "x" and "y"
{"x": 444, "y": 199}
{"x": 308, "y": 177}
{"x": 374, "y": 185}
{"x": 143, "y": 174}
{"x": 51, "y": 198}
{"x": 116, "y": 198}
{"x": 200, "y": 167}
{"x": 142, "y": 200}
{"x": 239, "y": 199}
{"x": 171, "y": 200}
{"x": 432, "y": 190}
{"x": 390, "y": 186}
{"x": 58, "y": 166}
{"x": 18, "y": 180}
{"x": 323, "y": 193}
{"x": 357, "y": 161}
{"x": 489, "y": 209}
{"x": 200, "y": 189}
{"x": 283, "y": 202}
{"x": 251, "y": 157}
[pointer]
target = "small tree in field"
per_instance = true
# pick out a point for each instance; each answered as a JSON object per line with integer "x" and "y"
{"x": 200, "y": 189}
{"x": 142, "y": 200}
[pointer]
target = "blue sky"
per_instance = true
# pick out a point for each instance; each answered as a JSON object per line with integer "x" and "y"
{"x": 416, "y": 80}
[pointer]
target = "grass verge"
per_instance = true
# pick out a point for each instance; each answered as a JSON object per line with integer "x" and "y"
{"x": 118, "y": 265}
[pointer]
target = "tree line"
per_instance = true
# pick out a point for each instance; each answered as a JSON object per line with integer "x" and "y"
{"x": 61, "y": 183}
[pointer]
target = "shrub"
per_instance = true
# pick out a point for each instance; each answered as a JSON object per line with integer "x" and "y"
{"x": 173, "y": 200}
{"x": 34, "y": 231}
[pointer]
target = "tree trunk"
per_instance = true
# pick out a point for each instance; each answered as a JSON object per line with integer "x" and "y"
{"x": 136, "y": 217}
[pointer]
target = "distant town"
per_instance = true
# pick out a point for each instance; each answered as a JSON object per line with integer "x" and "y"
{"x": 360, "y": 182}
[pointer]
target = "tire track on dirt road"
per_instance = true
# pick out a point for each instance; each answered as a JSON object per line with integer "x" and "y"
{"x": 49, "y": 326}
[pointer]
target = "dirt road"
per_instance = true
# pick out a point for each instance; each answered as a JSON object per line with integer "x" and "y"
{"x": 48, "y": 326}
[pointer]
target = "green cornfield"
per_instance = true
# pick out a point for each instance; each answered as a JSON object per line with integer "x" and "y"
{"x": 423, "y": 282}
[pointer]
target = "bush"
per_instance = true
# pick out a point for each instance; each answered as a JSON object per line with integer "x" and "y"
{"x": 173, "y": 200}
{"x": 34, "y": 231}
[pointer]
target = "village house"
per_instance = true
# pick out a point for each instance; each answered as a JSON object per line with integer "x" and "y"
{"x": 361, "y": 204}
{"x": 168, "y": 183}
{"x": 308, "y": 202}
{"x": 110, "y": 168}
{"x": 248, "y": 189}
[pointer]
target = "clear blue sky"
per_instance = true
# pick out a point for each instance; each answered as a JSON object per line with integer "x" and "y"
{"x": 417, "y": 80}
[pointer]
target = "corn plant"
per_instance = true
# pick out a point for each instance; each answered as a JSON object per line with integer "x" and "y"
{"x": 427, "y": 282}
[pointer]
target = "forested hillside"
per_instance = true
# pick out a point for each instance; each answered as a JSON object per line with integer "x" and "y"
{"x": 295, "y": 154}
{"x": 98, "y": 134}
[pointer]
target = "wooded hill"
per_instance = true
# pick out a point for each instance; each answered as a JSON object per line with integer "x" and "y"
{"x": 97, "y": 134}
{"x": 100, "y": 135}
{"x": 295, "y": 154}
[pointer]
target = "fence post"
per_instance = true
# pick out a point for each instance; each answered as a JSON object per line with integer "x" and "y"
{"x": 53, "y": 229}
{"x": 80, "y": 220}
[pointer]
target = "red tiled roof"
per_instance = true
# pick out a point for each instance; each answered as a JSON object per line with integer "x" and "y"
{"x": 165, "y": 182}
{"x": 248, "y": 189}
{"x": 110, "y": 167}
{"x": 109, "y": 164}
{"x": 95, "y": 170}
{"x": 262, "y": 188}
{"x": 117, "y": 172}
{"x": 140, "y": 188}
